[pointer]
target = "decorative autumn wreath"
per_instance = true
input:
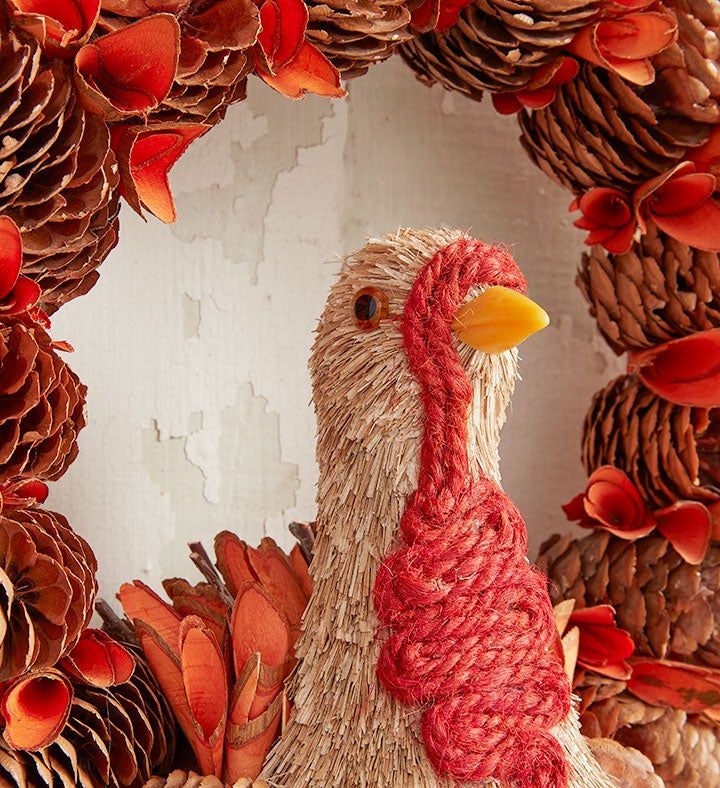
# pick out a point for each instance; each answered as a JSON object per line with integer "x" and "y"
{"x": 619, "y": 102}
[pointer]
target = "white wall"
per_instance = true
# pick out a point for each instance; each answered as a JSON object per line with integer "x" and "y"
{"x": 194, "y": 343}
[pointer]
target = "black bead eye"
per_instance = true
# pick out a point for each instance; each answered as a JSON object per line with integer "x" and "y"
{"x": 369, "y": 307}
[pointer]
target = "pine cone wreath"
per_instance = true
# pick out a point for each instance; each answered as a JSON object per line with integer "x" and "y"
{"x": 47, "y": 573}
{"x": 114, "y": 737}
{"x": 600, "y": 130}
{"x": 660, "y": 290}
{"x": 215, "y": 54}
{"x": 684, "y": 750}
{"x": 670, "y": 452}
{"x": 58, "y": 176}
{"x": 497, "y": 45}
{"x": 670, "y": 608}
{"x": 181, "y": 779}
{"x": 42, "y": 405}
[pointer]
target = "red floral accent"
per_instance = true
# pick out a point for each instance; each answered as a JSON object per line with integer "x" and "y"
{"x": 146, "y": 154}
{"x": 541, "y": 90}
{"x": 602, "y": 646}
{"x": 692, "y": 688}
{"x": 57, "y": 24}
{"x": 685, "y": 371}
{"x": 706, "y": 158}
{"x": 625, "y": 42}
{"x": 613, "y": 503}
{"x": 99, "y": 660}
{"x": 608, "y": 216}
{"x": 285, "y": 60}
{"x": 681, "y": 202}
{"x": 18, "y": 294}
{"x": 23, "y": 494}
{"x": 129, "y": 71}
{"x": 437, "y": 15}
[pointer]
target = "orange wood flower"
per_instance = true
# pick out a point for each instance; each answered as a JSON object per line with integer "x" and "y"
{"x": 437, "y": 15}
{"x": 602, "y": 646}
{"x": 146, "y": 154}
{"x": 607, "y": 215}
{"x": 98, "y": 660}
{"x": 130, "y": 71}
{"x": 285, "y": 60}
{"x": 541, "y": 90}
{"x": 18, "y": 294}
{"x": 625, "y": 43}
{"x": 613, "y": 503}
{"x": 57, "y": 24}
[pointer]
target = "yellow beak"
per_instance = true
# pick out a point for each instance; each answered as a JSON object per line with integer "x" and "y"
{"x": 498, "y": 319}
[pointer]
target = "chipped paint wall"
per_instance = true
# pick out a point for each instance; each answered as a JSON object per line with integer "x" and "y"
{"x": 194, "y": 344}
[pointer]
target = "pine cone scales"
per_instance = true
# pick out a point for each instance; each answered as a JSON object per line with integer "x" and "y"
{"x": 355, "y": 34}
{"x": 670, "y": 452}
{"x": 114, "y": 737}
{"x": 660, "y": 290}
{"x": 181, "y": 779}
{"x": 497, "y": 45}
{"x": 670, "y": 608}
{"x": 42, "y": 405}
{"x": 47, "y": 575}
{"x": 58, "y": 176}
{"x": 601, "y": 131}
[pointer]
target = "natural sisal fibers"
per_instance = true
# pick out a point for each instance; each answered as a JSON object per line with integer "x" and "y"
{"x": 346, "y": 730}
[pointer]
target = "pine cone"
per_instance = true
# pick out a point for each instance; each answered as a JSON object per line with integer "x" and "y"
{"x": 114, "y": 737}
{"x": 670, "y": 608}
{"x": 181, "y": 779}
{"x": 687, "y": 82}
{"x": 602, "y": 131}
{"x": 671, "y": 452}
{"x": 215, "y": 56}
{"x": 660, "y": 290}
{"x": 627, "y": 766}
{"x": 48, "y": 589}
{"x": 684, "y": 751}
{"x": 497, "y": 45}
{"x": 355, "y": 34}
{"x": 59, "y": 176}
{"x": 42, "y": 406}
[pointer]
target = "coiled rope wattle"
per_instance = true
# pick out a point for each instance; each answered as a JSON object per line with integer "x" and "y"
{"x": 469, "y": 624}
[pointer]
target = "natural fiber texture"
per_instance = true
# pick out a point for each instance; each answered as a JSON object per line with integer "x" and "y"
{"x": 355, "y": 35}
{"x": 670, "y": 608}
{"x": 215, "y": 57}
{"x": 627, "y": 766}
{"x": 181, "y": 779}
{"x": 497, "y": 45}
{"x": 47, "y": 575}
{"x": 684, "y": 750}
{"x": 660, "y": 290}
{"x": 602, "y": 131}
{"x": 58, "y": 174}
{"x": 370, "y": 429}
{"x": 669, "y": 451}
{"x": 114, "y": 737}
{"x": 687, "y": 83}
{"x": 42, "y": 405}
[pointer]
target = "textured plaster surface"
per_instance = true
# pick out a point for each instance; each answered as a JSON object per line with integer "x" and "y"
{"x": 195, "y": 342}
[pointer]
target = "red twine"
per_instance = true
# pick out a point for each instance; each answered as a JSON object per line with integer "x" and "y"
{"x": 471, "y": 630}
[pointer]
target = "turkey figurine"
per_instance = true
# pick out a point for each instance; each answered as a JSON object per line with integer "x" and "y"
{"x": 428, "y": 653}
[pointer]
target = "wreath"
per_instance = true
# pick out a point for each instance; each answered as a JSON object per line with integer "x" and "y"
{"x": 616, "y": 100}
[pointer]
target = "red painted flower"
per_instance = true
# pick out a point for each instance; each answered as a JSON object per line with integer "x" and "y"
{"x": 18, "y": 294}
{"x": 692, "y": 688}
{"x": 285, "y": 60}
{"x": 57, "y": 24}
{"x": 706, "y": 158}
{"x": 437, "y": 15}
{"x": 608, "y": 216}
{"x": 613, "y": 503}
{"x": 98, "y": 660}
{"x": 541, "y": 91}
{"x": 602, "y": 646}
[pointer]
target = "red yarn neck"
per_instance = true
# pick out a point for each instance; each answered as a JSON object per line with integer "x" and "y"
{"x": 470, "y": 627}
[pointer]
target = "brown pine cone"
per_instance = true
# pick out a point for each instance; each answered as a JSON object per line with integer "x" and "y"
{"x": 497, "y": 45}
{"x": 356, "y": 34}
{"x": 628, "y": 767}
{"x": 602, "y": 131}
{"x": 114, "y": 737}
{"x": 671, "y": 452}
{"x": 660, "y": 290}
{"x": 684, "y": 750}
{"x": 215, "y": 56}
{"x": 42, "y": 405}
{"x": 181, "y": 779}
{"x": 48, "y": 589}
{"x": 671, "y": 608}
{"x": 59, "y": 176}
{"x": 687, "y": 82}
